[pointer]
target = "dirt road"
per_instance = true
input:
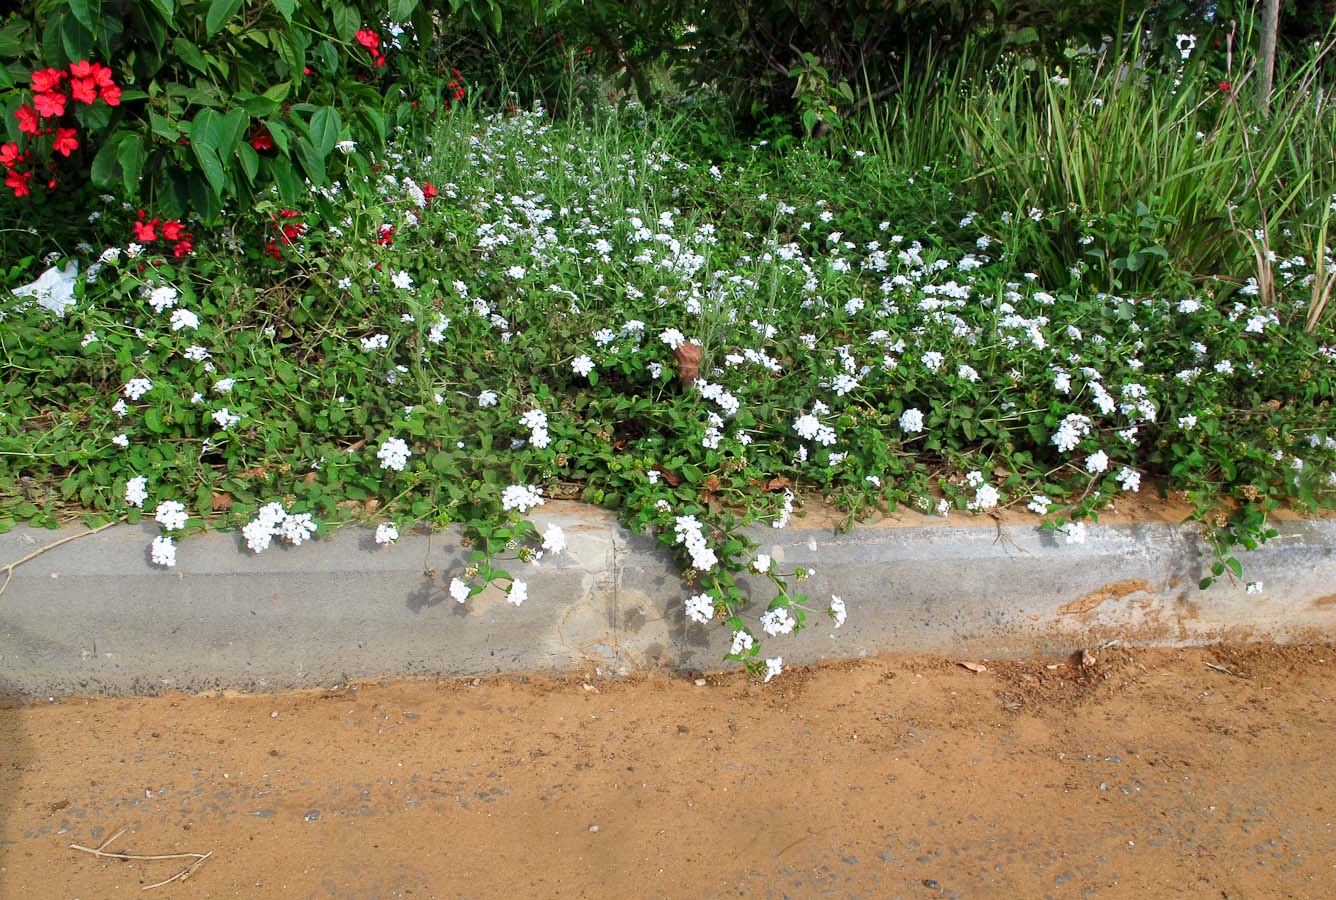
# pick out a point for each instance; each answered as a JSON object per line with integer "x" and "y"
{"x": 1201, "y": 773}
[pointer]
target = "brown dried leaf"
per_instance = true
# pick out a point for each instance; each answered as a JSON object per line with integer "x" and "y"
{"x": 670, "y": 477}
{"x": 221, "y": 502}
{"x": 975, "y": 667}
{"x": 688, "y": 363}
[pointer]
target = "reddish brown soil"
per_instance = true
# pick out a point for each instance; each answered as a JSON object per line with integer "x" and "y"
{"x": 1200, "y": 773}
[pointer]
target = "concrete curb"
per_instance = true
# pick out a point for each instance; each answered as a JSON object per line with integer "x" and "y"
{"x": 95, "y": 616}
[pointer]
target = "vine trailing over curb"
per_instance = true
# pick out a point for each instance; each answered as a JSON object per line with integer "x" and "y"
{"x": 530, "y": 310}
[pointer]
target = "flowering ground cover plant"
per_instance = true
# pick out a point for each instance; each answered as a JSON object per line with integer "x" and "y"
{"x": 524, "y": 309}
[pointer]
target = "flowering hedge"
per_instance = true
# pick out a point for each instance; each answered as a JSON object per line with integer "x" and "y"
{"x": 193, "y": 104}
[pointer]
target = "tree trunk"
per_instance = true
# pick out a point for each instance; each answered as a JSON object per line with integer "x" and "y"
{"x": 1266, "y": 53}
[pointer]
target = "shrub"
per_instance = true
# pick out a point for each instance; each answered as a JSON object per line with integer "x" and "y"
{"x": 203, "y": 102}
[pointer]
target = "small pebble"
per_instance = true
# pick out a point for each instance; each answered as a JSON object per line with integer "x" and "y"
{"x": 274, "y": 714}
{"x": 700, "y": 682}
{"x": 593, "y": 828}
{"x": 931, "y": 885}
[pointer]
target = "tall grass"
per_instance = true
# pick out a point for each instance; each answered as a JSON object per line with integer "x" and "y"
{"x": 1124, "y": 139}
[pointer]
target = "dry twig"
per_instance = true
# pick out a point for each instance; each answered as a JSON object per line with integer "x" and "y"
{"x": 1211, "y": 665}
{"x": 10, "y": 567}
{"x": 102, "y": 853}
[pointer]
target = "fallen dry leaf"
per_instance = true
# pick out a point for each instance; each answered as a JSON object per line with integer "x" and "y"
{"x": 688, "y": 363}
{"x": 975, "y": 667}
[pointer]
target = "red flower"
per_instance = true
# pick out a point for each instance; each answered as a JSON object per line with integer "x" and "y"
{"x": 111, "y": 94}
{"x": 66, "y": 142}
{"x": 9, "y": 155}
{"x": 273, "y": 250}
{"x": 306, "y": 70}
{"x": 1224, "y": 86}
{"x": 386, "y": 235}
{"x": 380, "y": 62}
{"x": 84, "y": 90}
{"x": 28, "y": 123}
{"x": 49, "y": 105}
{"x": 428, "y": 191}
{"x": 368, "y": 39}
{"x": 19, "y": 182}
{"x": 173, "y": 230}
{"x": 261, "y": 139}
{"x": 182, "y": 248}
{"x": 102, "y": 75}
{"x": 145, "y": 231}
{"x": 46, "y": 80}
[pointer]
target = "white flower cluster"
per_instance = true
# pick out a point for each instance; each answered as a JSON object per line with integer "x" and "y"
{"x": 162, "y": 551}
{"x": 136, "y": 491}
{"x": 387, "y": 533}
{"x": 171, "y": 514}
{"x": 700, "y": 608}
{"x": 522, "y": 497}
{"x": 811, "y": 429}
{"x": 272, "y": 521}
{"x": 911, "y": 421}
{"x": 1069, "y": 434}
{"x": 137, "y": 387}
{"x": 393, "y": 454}
{"x": 688, "y": 533}
{"x": 536, "y": 421}
{"x": 838, "y": 611}
{"x": 778, "y": 621}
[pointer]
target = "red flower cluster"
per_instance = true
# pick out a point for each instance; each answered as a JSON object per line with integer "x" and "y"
{"x": 386, "y": 236}
{"x": 456, "y": 86}
{"x": 11, "y": 158}
{"x": 146, "y": 231}
{"x": 88, "y": 82}
{"x": 371, "y": 41}
{"x": 429, "y": 191}
{"x": 286, "y": 231}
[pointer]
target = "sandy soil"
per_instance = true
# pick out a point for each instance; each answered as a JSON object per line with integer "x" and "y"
{"x": 1201, "y": 773}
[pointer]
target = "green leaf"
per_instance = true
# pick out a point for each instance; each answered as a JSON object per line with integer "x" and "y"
{"x": 401, "y": 10}
{"x": 190, "y": 55}
{"x": 256, "y": 105}
{"x": 279, "y": 92}
{"x": 1023, "y": 36}
{"x": 210, "y": 165}
{"x": 105, "y": 165}
{"x": 324, "y": 129}
{"x": 219, "y": 12}
{"x": 312, "y": 160}
{"x": 290, "y": 185}
{"x": 230, "y": 129}
{"x": 130, "y": 155}
{"x": 82, "y": 12}
{"x": 166, "y": 7}
{"x": 346, "y": 21}
{"x": 285, "y": 8}
{"x": 163, "y": 127}
{"x": 206, "y": 128}
{"x": 249, "y": 159}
